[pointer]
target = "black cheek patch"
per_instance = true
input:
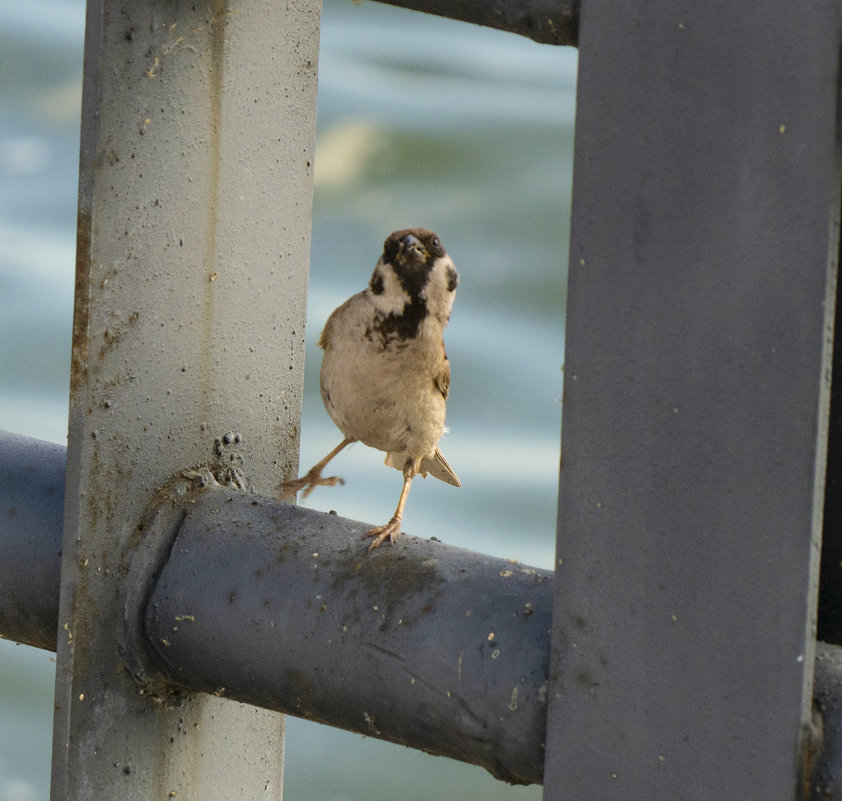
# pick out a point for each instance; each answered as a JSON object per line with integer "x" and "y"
{"x": 376, "y": 284}
{"x": 452, "y": 279}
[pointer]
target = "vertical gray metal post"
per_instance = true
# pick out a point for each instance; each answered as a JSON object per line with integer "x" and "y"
{"x": 700, "y": 310}
{"x": 193, "y": 247}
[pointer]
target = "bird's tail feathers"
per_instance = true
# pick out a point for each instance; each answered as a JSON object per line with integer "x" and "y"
{"x": 436, "y": 465}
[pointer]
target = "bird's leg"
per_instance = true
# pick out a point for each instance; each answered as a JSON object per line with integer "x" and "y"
{"x": 391, "y": 529}
{"x": 313, "y": 478}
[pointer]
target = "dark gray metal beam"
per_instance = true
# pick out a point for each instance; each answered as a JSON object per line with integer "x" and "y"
{"x": 701, "y": 294}
{"x": 546, "y": 21}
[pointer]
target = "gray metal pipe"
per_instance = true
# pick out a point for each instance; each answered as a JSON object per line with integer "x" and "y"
{"x": 275, "y": 605}
{"x": 421, "y": 644}
{"x": 31, "y": 512}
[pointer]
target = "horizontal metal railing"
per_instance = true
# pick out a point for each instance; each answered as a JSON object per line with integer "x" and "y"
{"x": 421, "y": 644}
{"x": 546, "y": 21}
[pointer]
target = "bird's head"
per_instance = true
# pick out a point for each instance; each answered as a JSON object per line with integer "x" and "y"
{"x": 416, "y": 271}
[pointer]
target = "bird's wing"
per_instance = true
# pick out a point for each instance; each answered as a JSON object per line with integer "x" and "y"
{"x": 436, "y": 465}
{"x": 324, "y": 336}
{"x": 442, "y": 376}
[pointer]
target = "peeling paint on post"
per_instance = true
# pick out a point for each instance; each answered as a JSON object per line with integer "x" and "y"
{"x": 194, "y": 220}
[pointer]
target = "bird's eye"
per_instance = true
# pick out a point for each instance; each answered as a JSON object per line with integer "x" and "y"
{"x": 436, "y": 242}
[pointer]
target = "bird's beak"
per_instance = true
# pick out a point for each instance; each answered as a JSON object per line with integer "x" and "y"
{"x": 412, "y": 248}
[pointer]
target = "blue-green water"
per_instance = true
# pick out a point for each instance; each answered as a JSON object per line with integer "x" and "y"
{"x": 422, "y": 122}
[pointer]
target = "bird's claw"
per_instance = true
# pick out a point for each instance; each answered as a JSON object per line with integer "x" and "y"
{"x": 203, "y": 477}
{"x": 307, "y": 483}
{"x": 388, "y": 531}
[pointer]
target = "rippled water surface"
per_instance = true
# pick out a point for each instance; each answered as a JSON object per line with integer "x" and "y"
{"x": 422, "y": 122}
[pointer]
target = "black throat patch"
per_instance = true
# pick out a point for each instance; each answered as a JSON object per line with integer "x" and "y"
{"x": 396, "y": 330}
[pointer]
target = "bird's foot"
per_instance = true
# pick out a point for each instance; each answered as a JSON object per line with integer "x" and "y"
{"x": 307, "y": 483}
{"x": 388, "y": 531}
{"x": 203, "y": 477}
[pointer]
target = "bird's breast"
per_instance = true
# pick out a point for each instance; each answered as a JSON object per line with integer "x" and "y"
{"x": 383, "y": 393}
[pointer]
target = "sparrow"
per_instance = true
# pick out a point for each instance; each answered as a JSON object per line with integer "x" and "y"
{"x": 385, "y": 375}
